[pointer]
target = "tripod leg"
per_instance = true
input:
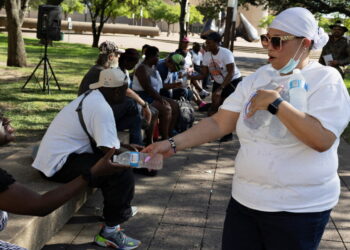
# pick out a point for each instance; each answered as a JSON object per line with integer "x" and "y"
{"x": 45, "y": 80}
{"x": 30, "y": 77}
{"x": 53, "y": 73}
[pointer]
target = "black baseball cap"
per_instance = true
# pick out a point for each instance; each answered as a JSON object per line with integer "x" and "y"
{"x": 214, "y": 36}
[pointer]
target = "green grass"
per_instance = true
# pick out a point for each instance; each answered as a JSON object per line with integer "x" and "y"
{"x": 31, "y": 110}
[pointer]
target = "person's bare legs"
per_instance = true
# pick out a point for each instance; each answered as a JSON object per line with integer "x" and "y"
{"x": 175, "y": 111}
{"x": 149, "y": 130}
{"x": 164, "y": 115}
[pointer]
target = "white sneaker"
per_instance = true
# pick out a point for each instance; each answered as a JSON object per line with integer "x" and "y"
{"x": 204, "y": 93}
{"x": 134, "y": 210}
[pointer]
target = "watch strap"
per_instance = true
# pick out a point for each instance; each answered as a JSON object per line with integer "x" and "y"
{"x": 273, "y": 107}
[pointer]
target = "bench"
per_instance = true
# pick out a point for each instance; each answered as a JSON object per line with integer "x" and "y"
{"x": 29, "y": 231}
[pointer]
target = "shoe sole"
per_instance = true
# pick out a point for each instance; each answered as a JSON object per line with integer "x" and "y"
{"x": 107, "y": 243}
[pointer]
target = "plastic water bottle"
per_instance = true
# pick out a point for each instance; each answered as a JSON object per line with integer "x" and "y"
{"x": 139, "y": 160}
{"x": 261, "y": 118}
{"x": 298, "y": 91}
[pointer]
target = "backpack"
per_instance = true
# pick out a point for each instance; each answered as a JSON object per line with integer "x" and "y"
{"x": 186, "y": 117}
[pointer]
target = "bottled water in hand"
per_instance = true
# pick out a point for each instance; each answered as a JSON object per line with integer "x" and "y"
{"x": 139, "y": 160}
{"x": 261, "y": 118}
{"x": 298, "y": 91}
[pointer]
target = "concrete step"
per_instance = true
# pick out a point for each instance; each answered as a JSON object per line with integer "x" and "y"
{"x": 29, "y": 231}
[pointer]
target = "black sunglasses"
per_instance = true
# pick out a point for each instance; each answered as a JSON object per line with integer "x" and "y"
{"x": 276, "y": 41}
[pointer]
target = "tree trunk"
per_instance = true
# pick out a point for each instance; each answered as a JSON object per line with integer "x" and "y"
{"x": 183, "y": 31}
{"x": 16, "y": 54}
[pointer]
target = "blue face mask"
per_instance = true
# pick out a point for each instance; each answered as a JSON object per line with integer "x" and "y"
{"x": 292, "y": 63}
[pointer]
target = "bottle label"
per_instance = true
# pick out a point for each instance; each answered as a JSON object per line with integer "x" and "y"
{"x": 134, "y": 159}
{"x": 298, "y": 84}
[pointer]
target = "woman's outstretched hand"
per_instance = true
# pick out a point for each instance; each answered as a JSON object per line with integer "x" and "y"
{"x": 161, "y": 147}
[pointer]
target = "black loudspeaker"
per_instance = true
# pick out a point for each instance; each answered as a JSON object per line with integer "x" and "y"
{"x": 49, "y": 23}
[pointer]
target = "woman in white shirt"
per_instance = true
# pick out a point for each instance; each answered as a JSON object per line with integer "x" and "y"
{"x": 284, "y": 186}
{"x": 147, "y": 84}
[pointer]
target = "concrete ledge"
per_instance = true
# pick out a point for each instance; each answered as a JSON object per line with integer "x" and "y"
{"x": 33, "y": 232}
{"x": 29, "y": 231}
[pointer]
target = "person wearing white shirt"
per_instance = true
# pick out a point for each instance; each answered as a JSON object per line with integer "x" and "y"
{"x": 284, "y": 186}
{"x": 75, "y": 141}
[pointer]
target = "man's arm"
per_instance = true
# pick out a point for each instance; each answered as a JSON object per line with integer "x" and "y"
{"x": 204, "y": 73}
{"x": 19, "y": 199}
{"x": 145, "y": 108}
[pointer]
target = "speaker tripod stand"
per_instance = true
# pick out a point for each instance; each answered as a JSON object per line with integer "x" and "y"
{"x": 46, "y": 78}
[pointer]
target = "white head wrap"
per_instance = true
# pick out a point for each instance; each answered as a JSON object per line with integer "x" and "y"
{"x": 300, "y": 22}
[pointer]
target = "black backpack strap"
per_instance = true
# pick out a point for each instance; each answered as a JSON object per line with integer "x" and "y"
{"x": 82, "y": 123}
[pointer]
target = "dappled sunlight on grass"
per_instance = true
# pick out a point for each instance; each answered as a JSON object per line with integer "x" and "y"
{"x": 31, "y": 110}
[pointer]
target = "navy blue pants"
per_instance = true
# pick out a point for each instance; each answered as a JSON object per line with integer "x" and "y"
{"x": 248, "y": 229}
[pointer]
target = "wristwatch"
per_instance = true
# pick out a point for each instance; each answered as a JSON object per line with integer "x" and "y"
{"x": 145, "y": 105}
{"x": 273, "y": 107}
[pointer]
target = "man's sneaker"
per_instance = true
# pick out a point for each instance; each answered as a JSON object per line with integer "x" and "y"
{"x": 117, "y": 239}
{"x": 134, "y": 210}
{"x": 203, "y": 94}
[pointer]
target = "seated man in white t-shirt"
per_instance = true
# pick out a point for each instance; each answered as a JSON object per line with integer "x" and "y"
{"x": 68, "y": 150}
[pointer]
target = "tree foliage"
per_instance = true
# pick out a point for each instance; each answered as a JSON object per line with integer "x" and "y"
{"x": 171, "y": 15}
{"x": 195, "y": 15}
{"x": 155, "y": 9}
{"x": 71, "y": 6}
{"x": 211, "y": 8}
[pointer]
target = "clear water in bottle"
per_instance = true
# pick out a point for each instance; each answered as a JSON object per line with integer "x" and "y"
{"x": 139, "y": 160}
{"x": 261, "y": 118}
{"x": 298, "y": 91}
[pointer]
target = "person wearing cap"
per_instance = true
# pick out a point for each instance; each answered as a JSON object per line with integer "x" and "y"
{"x": 220, "y": 64}
{"x": 285, "y": 184}
{"x": 168, "y": 69}
{"x": 336, "y": 53}
{"x": 126, "y": 113}
{"x": 174, "y": 85}
{"x": 80, "y": 134}
{"x": 147, "y": 83}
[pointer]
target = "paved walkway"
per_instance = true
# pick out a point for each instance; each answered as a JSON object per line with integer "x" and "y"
{"x": 184, "y": 206}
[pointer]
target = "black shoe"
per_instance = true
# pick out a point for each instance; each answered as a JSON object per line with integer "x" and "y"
{"x": 228, "y": 137}
{"x": 145, "y": 171}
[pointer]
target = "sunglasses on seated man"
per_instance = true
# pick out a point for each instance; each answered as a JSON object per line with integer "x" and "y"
{"x": 276, "y": 41}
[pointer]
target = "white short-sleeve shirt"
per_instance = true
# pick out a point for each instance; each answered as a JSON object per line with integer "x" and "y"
{"x": 284, "y": 174}
{"x": 65, "y": 134}
{"x": 217, "y": 64}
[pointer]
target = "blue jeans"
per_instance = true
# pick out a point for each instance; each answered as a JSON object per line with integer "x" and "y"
{"x": 249, "y": 229}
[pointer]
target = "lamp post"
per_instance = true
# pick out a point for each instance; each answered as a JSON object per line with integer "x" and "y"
{"x": 187, "y": 18}
{"x": 141, "y": 14}
{"x": 85, "y": 13}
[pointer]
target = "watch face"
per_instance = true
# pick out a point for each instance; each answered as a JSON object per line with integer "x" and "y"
{"x": 272, "y": 109}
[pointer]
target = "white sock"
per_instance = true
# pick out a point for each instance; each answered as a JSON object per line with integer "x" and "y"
{"x": 108, "y": 230}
